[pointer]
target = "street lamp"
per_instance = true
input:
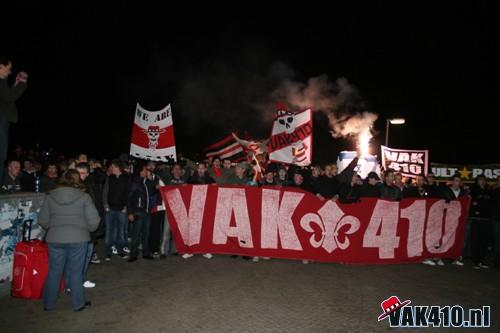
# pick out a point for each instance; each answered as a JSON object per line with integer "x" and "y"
{"x": 394, "y": 121}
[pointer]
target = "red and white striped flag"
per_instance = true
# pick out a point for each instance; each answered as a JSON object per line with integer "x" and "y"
{"x": 227, "y": 148}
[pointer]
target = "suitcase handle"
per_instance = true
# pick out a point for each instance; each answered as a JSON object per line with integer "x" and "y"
{"x": 27, "y": 235}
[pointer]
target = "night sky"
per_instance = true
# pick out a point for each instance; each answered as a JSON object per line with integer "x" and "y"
{"x": 438, "y": 67}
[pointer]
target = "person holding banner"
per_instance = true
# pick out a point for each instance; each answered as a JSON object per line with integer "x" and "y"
{"x": 431, "y": 186}
{"x": 177, "y": 177}
{"x": 350, "y": 192}
{"x": 201, "y": 176}
{"x": 417, "y": 191}
{"x": 239, "y": 177}
{"x": 453, "y": 192}
{"x": 327, "y": 186}
{"x": 371, "y": 186}
{"x": 388, "y": 189}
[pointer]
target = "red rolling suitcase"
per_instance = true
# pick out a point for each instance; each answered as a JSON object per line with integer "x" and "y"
{"x": 31, "y": 264}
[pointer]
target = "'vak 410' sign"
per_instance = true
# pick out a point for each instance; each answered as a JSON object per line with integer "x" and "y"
{"x": 289, "y": 223}
{"x": 410, "y": 163}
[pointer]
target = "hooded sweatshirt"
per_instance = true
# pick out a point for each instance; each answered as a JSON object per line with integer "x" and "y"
{"x": 68, "y": 215}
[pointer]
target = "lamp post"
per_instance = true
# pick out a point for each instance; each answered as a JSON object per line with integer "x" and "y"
{"x": 394, "y": 121}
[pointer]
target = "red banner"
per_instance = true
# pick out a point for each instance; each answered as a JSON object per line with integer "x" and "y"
{"x": 283, "y": 222}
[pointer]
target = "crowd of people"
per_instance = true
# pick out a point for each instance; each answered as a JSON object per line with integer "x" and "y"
{"x": 126, "y": 195}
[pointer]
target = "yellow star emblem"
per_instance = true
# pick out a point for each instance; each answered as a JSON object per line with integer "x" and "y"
{"x": 464, "y": 173}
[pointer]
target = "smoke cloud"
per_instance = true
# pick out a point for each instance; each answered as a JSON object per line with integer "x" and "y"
{"x": 242, "y": 98}
{"x": 339, "y": 101}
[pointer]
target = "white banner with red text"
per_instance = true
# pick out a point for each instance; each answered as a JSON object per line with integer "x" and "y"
{"x": 283, "y": 222}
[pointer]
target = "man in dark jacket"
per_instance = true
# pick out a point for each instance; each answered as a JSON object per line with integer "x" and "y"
{"x": 139, "y": 211}
{"x": 389, "y": 190}
{"x": 431, "y": 186}
{"x": 12, "y": 179}
{"x": 480, "y": 210}
{"x": 50, "y": 178}
{"x": 83, "y": 170}
{"x": 417, "y": 191}
{"x": 350, "y": 192}
{"x": 327, "y": 186}
{"x": 455, "y": 190}
{"x": 371, "y": 186}
{"x": 8, "y": 111}
{"x": 449, "y": 193}
{"x": 495, "y": 220}
{"x": 114, "y": 198}
{"x": 201, "y": 176}
{"x": 298, "y": 180}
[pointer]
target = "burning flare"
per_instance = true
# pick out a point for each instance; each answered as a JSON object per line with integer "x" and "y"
{"x": 363, "y": 142}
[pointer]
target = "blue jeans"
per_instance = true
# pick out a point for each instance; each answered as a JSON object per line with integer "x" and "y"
{"x": 116, "y": 224}
{"x": 140, "y": 231}
{"x": 90, "y": 250}
{"x": 70, "y": 260}
{"x": 4, "y": 144}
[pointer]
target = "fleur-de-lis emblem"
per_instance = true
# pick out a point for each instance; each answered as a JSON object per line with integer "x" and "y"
{"x": 330, "y": 219}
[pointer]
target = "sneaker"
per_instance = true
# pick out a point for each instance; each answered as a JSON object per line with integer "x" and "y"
{"x": 429, "y": 262}
{"x": 126, "y": 250}
{"x": 95, "y": 259}
{"x": 156, "y": 254}
{"x": 108, "y": 258}
{"x": 481, "y": 265}
{"x": 88, "y": 284}
{"x": 187, "y": 255}
{"x": 440, "y": 262}
{"x": 458, "y": 262}
{"x": 305, "y": 261}
{"x": 124, "y": 256}
{"x": 255, "y": 259}
{"x": 477, "y": 267}
{"x": 208, "y": 256}
{"x": 115, "y": 251}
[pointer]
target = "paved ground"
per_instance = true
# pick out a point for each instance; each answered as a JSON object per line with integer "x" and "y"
{"x": 232, "y": 295}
